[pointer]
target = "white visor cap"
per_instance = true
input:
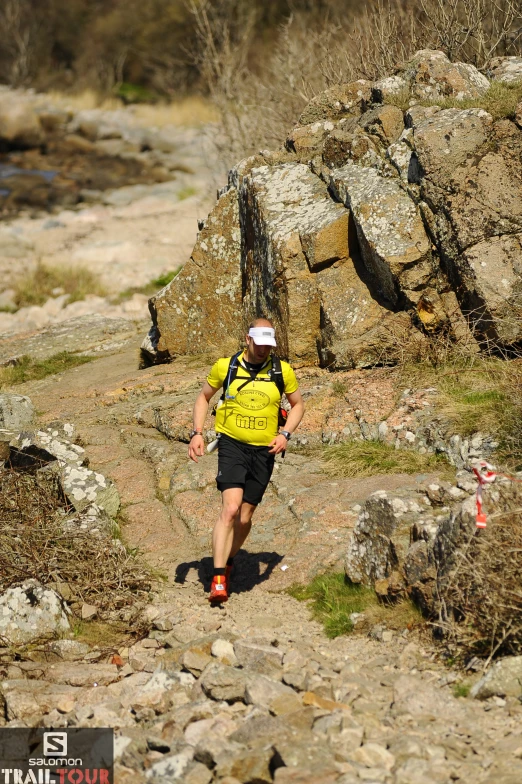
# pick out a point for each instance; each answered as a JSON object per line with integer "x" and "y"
{"x": 263, "y": 336}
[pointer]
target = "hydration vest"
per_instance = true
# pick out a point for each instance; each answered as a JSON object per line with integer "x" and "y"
{"x": 275, "y": 374}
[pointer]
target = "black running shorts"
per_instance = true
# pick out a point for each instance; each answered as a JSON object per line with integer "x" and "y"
{"x": 246, "y": 466}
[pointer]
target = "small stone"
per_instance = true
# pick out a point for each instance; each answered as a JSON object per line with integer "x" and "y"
{"x": 197, "y": 773}
{"x": 502, "y": 680}
{"x": 310, "y": 698}
{"x": 149, "y": 643}
{"x": 251, "y": 765}
{"x": 224, "y": 651}
{"x": 372, "y": 755}
{"x": 140, "y": 662}
{"x": 195, "y": 661}
{"x": 262, "y": 691}
{"x": 69, "y": 650}
{"x": 223, "y": 683}
{"x": 88, "y": 611}
{"x": 65, "y": 704}
{"x": 299, "y": 775}
{"x": 163, "y": 624}
{"x": 150, "y": 613}
{"x": 285, "y": 703}
{"x": 296, "y": 678}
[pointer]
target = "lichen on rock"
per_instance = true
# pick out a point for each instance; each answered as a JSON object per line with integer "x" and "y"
{"x": 367, "y": 213}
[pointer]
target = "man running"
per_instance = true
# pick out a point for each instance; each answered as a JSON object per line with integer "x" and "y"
{"x": 247, "y": 424}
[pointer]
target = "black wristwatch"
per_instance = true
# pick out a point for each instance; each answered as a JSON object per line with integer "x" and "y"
{"x": 286, "y": 434}
{"x": 195, "y": 433}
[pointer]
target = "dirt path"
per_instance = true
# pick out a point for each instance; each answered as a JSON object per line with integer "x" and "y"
{"x": 391, "y": 695}
{"x": 168, "y": 503}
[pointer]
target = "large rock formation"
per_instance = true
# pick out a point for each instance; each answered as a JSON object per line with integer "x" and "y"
{"x": 372, "y": 226}
{"x": 207, "y": 312}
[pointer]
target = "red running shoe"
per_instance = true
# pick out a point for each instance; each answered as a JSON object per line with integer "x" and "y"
{"x": 218, "y": 589}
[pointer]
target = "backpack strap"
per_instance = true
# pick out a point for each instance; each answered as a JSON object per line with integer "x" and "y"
{"x": 231, "y": 373}
{"x": 276, "y": 374}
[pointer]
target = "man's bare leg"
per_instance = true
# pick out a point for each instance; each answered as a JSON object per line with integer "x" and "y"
{"x": 242, "y": 526}
{"x": 224, "y": 529}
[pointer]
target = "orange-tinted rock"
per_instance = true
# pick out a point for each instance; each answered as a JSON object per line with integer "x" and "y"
{"x": 200, "y": 310}
{"x": 350, "y": 98}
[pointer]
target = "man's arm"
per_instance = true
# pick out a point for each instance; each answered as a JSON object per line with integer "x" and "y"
{"x": 197, "y": 443}
{"x": 294, "y": 417}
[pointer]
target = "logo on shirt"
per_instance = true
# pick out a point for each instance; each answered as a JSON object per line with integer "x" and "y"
{"x": 251, "y": 422}
{"x": 253, "y": 399}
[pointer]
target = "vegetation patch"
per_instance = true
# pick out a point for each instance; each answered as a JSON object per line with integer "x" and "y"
{"x": 480, "y": 394}
{"x": 367, "y": 458}
{"x": 149, "y": 289}
{"x": 101, "y": 634}
{"x": 186, "y": 193}
{"x": 34, "y": 543}
{"x": 461, "y": 689}
{"x": 339, "y": 388}
{"x": 333, "y": 599}
{"x": 135, "y": 93}
{"x": 500, "y": 100}
{"x": 45, "y": 282}
{"x": 480, "y": 597}
{"x": 29, "y": 369}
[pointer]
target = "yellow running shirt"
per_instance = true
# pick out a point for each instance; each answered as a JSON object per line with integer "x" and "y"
{"x": 250, "y": 415}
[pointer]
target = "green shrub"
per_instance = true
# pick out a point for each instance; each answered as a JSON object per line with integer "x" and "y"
{"x": 165, "y": 279}
{"x": 339, "y": 388}
{"x": 461, "y": 689}
{"x": 135, "y": 93}
{"x": 187, "y": 192}
{"x": 333, "y": 601}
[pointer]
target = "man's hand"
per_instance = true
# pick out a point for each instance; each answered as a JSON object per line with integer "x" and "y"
{"x": 278, "y": 445}
{"x": 197, "y": 447}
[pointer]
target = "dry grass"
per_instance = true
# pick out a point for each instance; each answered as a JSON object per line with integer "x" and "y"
{"x": 477, "y": 394}
{"x": 500, "y": 101}
{"x": 368, "y": 458}
{"x": 192, "y": 111}
{"x": 259, "y": 105}
{"x": 45, "y": 281}
{"x": 397, "y": 616}
{"x": 27, "y": 368}
{"x": 33, "y": 544}
{"x": 87, "y": 99}
{"x": 102, "y": 635}
{"x": 481, "y": 600}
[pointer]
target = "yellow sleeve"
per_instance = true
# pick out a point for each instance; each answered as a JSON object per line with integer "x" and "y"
{"x": 218, "y": 373}
{"x": 291, "y": 383}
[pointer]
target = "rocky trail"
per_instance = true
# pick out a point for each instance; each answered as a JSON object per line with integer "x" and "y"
{"x": 253, "y": 691}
